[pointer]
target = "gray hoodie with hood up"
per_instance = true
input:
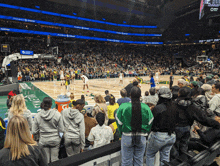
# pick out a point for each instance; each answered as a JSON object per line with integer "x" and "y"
{"x": 74, "y": 125}
{"x": 49, "y": 123}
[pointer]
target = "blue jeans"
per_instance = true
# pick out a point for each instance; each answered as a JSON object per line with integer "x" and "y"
{"x": 162, "y": 142}
{"x": 132, "y": 150}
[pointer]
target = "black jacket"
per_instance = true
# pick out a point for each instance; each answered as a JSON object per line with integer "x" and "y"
{"x": 37, "y": 157}
{"x": 210, "y": 136}
{"x": 188, "y": 112}
{"x": 164, "y": 119}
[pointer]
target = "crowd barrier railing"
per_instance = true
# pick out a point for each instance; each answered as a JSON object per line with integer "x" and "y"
{"x": 108, "y": 155}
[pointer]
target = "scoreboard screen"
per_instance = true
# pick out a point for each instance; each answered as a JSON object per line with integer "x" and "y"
{"x": 209, "y": 7}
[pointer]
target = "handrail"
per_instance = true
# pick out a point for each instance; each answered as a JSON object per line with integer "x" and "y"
{"x": 84, "y": 157}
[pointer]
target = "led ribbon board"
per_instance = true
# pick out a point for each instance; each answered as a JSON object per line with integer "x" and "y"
{"x": 73, "y": 26}
{"x": 72, "y": 17}
{"x": 75, "y": 36}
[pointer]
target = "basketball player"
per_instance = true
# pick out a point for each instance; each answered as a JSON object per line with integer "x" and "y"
{"x": 157, "y": 76}
{"x": 55, "y": 76}
{"x": 85, "y": 82}
{"x": 171, "y": 80}
{"x": 108, "y": 74}
{"x": 67, "y": 82}
{"x": 62, "y": 77}
{"x": 121, "y": 75}
{"x": 72, "y": 76}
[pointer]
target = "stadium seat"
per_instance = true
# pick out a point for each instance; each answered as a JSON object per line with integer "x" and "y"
{"x": 89, "y": 108}
{"x": 214, "y": 151}
{"x": 198, "y": 159}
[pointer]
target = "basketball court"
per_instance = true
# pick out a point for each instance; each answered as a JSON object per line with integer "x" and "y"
{"x": 96, "y": 86}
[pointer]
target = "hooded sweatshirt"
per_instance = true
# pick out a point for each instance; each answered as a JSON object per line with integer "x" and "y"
{"x": 26, "y": 114}
{"x": 74, "y": 125}
{"x": 49, "y": 123}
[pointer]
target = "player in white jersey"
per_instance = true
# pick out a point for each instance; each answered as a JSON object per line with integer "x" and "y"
{"x": 121, "y": 75}
{"x": 157, "y": 74}
{"x": 85, "y": 82}
{"x": 62, "y": 77}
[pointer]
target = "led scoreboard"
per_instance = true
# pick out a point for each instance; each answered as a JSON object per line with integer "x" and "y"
{"x": 209, "y": 8}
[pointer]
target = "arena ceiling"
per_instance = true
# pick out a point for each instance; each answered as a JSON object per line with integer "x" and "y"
{"x": 162, "y": 13}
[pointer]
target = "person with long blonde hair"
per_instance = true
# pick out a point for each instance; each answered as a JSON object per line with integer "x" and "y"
{"x": 100, "y": 107}
{"x": 18, "y": 107}
{"x": 19, "y": 147}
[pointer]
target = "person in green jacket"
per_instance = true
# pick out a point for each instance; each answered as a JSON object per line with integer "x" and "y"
{"x": 134, "y": 121}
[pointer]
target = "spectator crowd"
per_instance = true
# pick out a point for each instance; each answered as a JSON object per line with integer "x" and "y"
{"x": 168, "y": 121}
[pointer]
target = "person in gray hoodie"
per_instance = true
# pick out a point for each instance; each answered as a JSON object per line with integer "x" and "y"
{"x": 48, "y": 122}
{"x": 74, "y": 135}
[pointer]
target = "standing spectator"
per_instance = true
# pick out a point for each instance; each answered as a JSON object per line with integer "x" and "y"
{"x": 100, "y": 134}
{"x": 124, "y": 99}
{"x": 162, "y": 136}
{"x": 134, "y": 121}
{"x": 2, "y": 133}
{"x": 100, "y": 107}
{"x": 48, "y": 123}
{"x": 19, "y": 107}
{"x": 20, "y": 148}
{"x": 74, "y": 134}
{"x": 107, "y": 97}
{"x": 111, "y": 109}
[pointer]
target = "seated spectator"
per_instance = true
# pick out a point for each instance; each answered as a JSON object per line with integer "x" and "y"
{"x": 162, "y": 137}
{"x": 181, "y": 83}
{"x": 20, "y": 148}
{"x": 74, "y": 134}
{"x": 134, "y": 121}
{"x": 9, "y": 101}
{"x": 89, "y": 123}
{"x": 175, "y": 90}
{"x": 208, "y": 91}
{"x": 83, "y": 98}
{"x": 214, "y": 103}
{"x": 199, "y": 82}
{"x": 19, "y": 78}
{"x": 111, "y": 109}
{"x": 124, "y": 99}
{"x": 71, "y": 99}
{"x": 107, "y": 97}
{"x": 153, "y": 97}
{"x": 100, "y": 107}
{"x": 2, "y": 133}
{"x": 49, "y": 123}
{"x": 19, "y": 107}
{"x": 12, "y": 93}
{"x": 115, "y": 130}
{"x": 100, "y": 134}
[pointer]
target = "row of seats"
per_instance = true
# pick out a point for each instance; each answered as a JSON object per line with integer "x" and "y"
{"x": 203, "y": 158}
